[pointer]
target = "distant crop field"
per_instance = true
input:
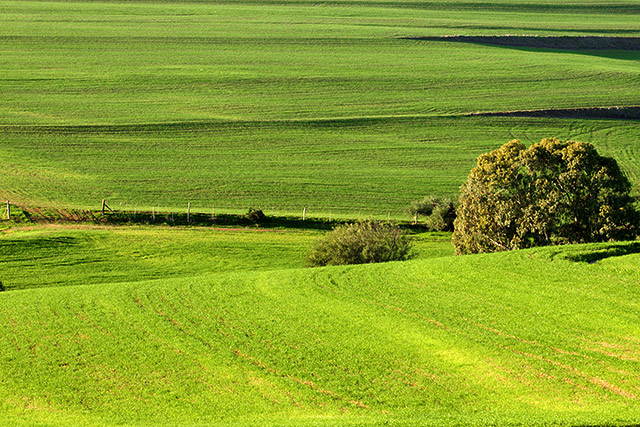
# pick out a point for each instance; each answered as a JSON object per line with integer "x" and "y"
{"x": 279, "y": 105}
{"x": 85, "y": 255}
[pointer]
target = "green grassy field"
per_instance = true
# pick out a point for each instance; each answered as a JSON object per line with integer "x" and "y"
{"x": 280, "y": 105}
{"x": 535, "y": 337}
{"x": 46, "y": 256}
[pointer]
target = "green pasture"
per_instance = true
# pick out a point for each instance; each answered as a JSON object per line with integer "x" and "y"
{"x": 349, "y": 169}
{"x": 536, "y": 337}
{"x": 89, "y": 255}
{"x": 282, "y": 105}
{"x": 279, "y": 104}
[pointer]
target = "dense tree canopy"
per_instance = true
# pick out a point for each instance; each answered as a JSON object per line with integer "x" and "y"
{"x": 553, "y": 192}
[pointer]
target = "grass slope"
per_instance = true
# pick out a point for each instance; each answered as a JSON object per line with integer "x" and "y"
{"x": 506, "y": 338}
{"x": 87, "y": 255}
{"x": 374, "y": 167}
{"x": 280, "y": 105}
{"x": 62, "y": 256}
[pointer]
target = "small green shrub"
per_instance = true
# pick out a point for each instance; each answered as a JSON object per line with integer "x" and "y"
{"x": 255, "y": 215}
{"x": 440, "y": 213}
{"x": 361, "y": 243}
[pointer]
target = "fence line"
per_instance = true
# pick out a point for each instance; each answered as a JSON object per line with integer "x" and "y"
{"x": 304, "y": 212}
{"x": 155, "y": 212}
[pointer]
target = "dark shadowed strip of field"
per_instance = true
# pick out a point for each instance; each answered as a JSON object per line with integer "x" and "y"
{"x": 625, "y": 113}
{"x": 545, "y": 42}
{"x": 626, "y": 7}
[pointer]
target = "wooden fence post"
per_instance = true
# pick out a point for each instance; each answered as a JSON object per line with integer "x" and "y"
{"x": 103, "y": 203}
{"x": 415, "y": 219}
{"x": 188, "y": 212}
{"x": 153, "y": 214}
{"x": 8, "y": 210}
{"x": 388, "y": 216}
{"x": 304, "y": 213}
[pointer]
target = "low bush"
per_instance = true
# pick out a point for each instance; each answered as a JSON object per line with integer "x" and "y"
{"x": 255, "y": 215}
{"x": 361, "y": 243}
{"x": 440, "y": 213}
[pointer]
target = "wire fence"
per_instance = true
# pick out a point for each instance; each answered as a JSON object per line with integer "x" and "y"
{"x": 124, "y": 211}
{"x": 303, "y": 212}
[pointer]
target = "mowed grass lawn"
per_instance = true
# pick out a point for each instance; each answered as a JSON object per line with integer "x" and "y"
{"x": 535, "y": 337}
{"x": 280, "y": 105}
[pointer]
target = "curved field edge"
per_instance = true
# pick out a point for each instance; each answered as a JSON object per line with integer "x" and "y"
{"x": 503, "y": 338}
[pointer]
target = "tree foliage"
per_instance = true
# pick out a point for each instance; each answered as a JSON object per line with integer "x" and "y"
{"x": 361, "y": 243}
{"x": 553, "y": 192}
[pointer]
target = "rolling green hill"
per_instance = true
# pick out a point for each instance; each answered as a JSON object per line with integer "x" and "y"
{"x": 280, "y": 104}
{"x": 56, "y": 255}
{"x": 85, "y": 255}
{"x": 545, "y": 336}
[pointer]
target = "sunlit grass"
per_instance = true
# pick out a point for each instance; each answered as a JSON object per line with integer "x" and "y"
{"x": 87, "y": 255}
{"x": 524, "y": 338}
{"x": 282, "y": 105}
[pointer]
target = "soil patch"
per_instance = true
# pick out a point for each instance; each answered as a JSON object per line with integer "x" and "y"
{"x": 545, "y": 42}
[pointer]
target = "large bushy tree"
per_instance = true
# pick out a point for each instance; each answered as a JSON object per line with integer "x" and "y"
{"x": 553, "y": 192}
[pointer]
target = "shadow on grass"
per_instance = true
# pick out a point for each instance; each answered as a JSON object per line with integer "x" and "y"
{"x": 615, "y": 47}
{"x": 24, "y": 216}
{"x": 230, "y": 220}
{"x": 603, "y": 425}
{"x": 572, "y": 43}
{"x": 608, "y": 252}
{"x": 40, "y": 243}
{"x": 620, "y": 54}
